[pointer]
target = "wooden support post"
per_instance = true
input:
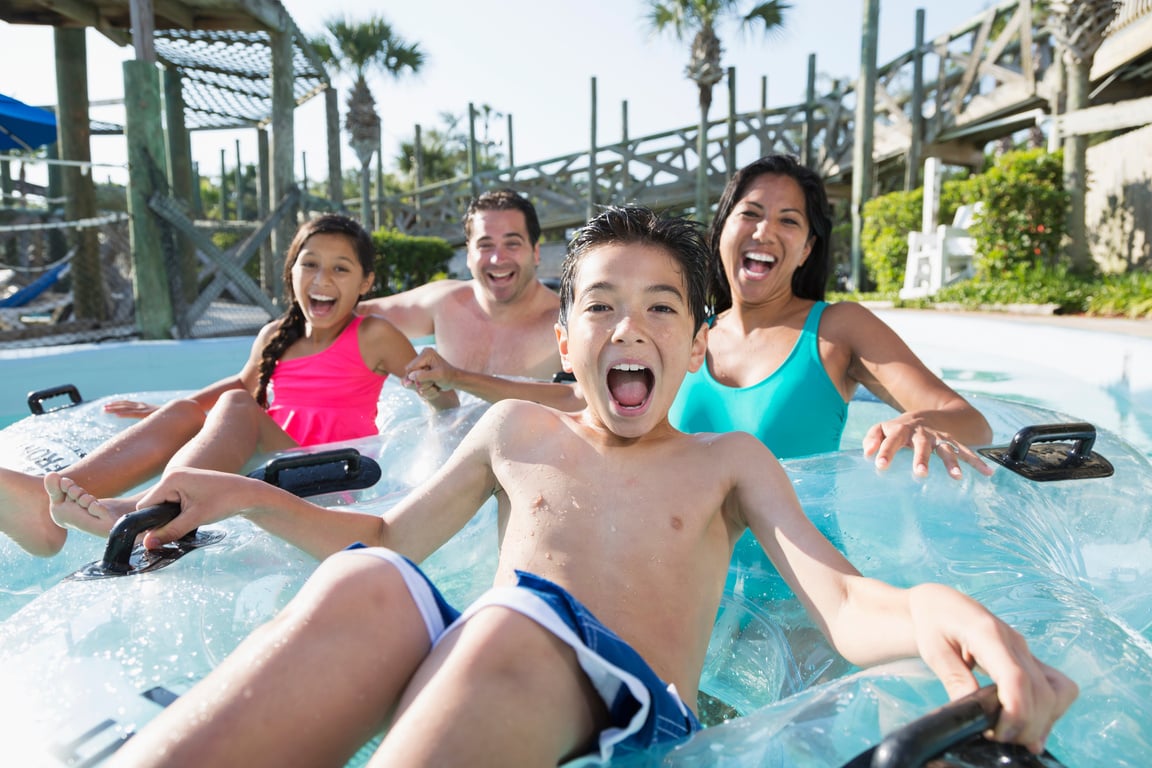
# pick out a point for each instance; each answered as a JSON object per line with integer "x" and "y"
{"x": 180, "y": 178}
{"x": 239, "y": 185}
{"x": 223, "y": 187}
{"x": 916, "y": 144}
{"x": 378, "y": 210}
{"x": 335, "y": 172}
{"x": 730, "y": 154}
{"x": 474, "y": 183}
{"x": 511, "y": 155}
{"x": 626, "y": 154}
{"x": 197, "y": 200}
{"x": 809, "y": 113}
{"x": 862, "y": 141}
{"x": 57, "y": 239}
{"x": 73, "y": 131}
{"x": 269, "y": 274}
{"x": 304, "y": 183}
{"x": 146, "y": 177}
{"x": 283, "y": 147}
{"x": 9, "y": 252}
{"x": 592, "y": 150}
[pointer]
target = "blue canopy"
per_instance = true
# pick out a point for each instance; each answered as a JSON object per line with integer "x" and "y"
{"x": 23, "y": 127}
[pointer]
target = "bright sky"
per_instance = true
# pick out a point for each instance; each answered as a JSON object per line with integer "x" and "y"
{"x": 533, "y": 59}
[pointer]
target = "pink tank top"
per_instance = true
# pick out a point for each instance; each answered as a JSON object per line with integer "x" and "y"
{"x": 328, "y": 396}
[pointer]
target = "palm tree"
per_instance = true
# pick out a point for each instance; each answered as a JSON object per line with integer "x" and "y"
{"x": 699, "y": 18}
{"x": 1079, "y": 27}
{"x": 357, "y": 48}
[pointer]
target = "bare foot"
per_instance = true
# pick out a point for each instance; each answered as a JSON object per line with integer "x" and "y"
{"x": 24, "y": 514}
{"x": 73, "y": 507}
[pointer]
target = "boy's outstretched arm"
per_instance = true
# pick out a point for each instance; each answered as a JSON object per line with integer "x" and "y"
{"x": 206, "y": 496}
{"x": 416, "y": 527}
{"x": 869, "y": 621}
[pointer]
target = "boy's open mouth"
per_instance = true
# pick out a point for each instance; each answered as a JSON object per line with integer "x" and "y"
{"x": 758, "y": 263}
{"x": 630, "y": 384}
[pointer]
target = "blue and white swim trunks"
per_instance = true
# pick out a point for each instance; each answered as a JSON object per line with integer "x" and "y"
{"x": 644, "y": 711}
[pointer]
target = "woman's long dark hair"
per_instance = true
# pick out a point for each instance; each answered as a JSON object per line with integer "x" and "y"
{"x": 292, "y": 322}
{"x": 810, "y": 281}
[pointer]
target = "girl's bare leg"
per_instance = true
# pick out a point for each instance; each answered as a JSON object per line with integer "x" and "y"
{"x": 120, "y": 464}
{"x": 237, "y": 428}
{"x": 499, "y": 690}
{"x": 306, "y": 689}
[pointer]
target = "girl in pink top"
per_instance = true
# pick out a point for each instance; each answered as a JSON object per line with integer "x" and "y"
{"x": 313, "y": 376}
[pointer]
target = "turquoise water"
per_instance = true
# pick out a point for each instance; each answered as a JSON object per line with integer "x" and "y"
{"x": 1102, "y": 378}
{"x": 1066, "y": 563}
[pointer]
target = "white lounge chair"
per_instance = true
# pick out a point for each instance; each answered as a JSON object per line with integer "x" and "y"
{"x": 942, "y": 257}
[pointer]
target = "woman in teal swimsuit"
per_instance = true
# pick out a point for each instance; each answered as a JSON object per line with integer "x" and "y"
{"x": 782, "y": 364}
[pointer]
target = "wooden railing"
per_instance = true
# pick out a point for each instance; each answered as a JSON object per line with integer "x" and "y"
{"x": 984, "y": 80}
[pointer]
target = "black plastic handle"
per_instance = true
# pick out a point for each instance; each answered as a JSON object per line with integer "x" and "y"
{"x": 349, "y": 457}
{"x": 122, "y": 538}
{"x": 36, "y": 399}
{"x": 922, "y": 739}
{"x": 1083, "y": 433}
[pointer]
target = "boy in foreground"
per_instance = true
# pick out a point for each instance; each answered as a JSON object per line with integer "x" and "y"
{"x": 608, "y": 518}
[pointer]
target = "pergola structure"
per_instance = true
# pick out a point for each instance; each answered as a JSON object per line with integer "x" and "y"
{"x": 199, "y": 64}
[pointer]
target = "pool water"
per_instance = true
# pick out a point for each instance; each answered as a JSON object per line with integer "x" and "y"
{"x": 1067, "y": 563}
{"x": 98, "y": 370}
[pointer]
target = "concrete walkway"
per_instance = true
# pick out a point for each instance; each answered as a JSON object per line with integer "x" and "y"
{"x": 1120, "y": 325}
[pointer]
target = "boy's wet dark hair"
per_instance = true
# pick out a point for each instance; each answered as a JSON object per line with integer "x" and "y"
{"x": 810, "y": 281}
{"x": 292, "y": 322}
{"x": 504, "y": 200}
{"x": 617, "y": 225}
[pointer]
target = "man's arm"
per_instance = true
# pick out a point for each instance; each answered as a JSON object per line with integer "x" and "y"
{"x": 412, "y": 311}
{"x": 430, "y": 374}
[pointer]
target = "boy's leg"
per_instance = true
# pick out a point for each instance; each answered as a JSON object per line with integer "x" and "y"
{"x": 123, "y": 462}
{"x": 308, "y": 688}
{"x": 498, "y": 690}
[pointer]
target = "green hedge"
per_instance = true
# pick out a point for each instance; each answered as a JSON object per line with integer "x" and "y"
{"x": 888, "y": 220}
{"x": 1021, "y": 224}
{"x": 1023, "y": 220}
{"x": 404, "y": 262}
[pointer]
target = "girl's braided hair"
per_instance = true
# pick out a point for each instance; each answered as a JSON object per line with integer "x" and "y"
{"x": 291, "y": 325}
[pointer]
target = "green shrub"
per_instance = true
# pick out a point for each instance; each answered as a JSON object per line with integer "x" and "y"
{"x": 884, "y": 236}
{"x": 404, "y": 262}
{"x": 1127, "y": 294}
{"x": 1024, "y": 208}
{"x": 888, "y": 220}
{"x": 1023, "y": 284}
